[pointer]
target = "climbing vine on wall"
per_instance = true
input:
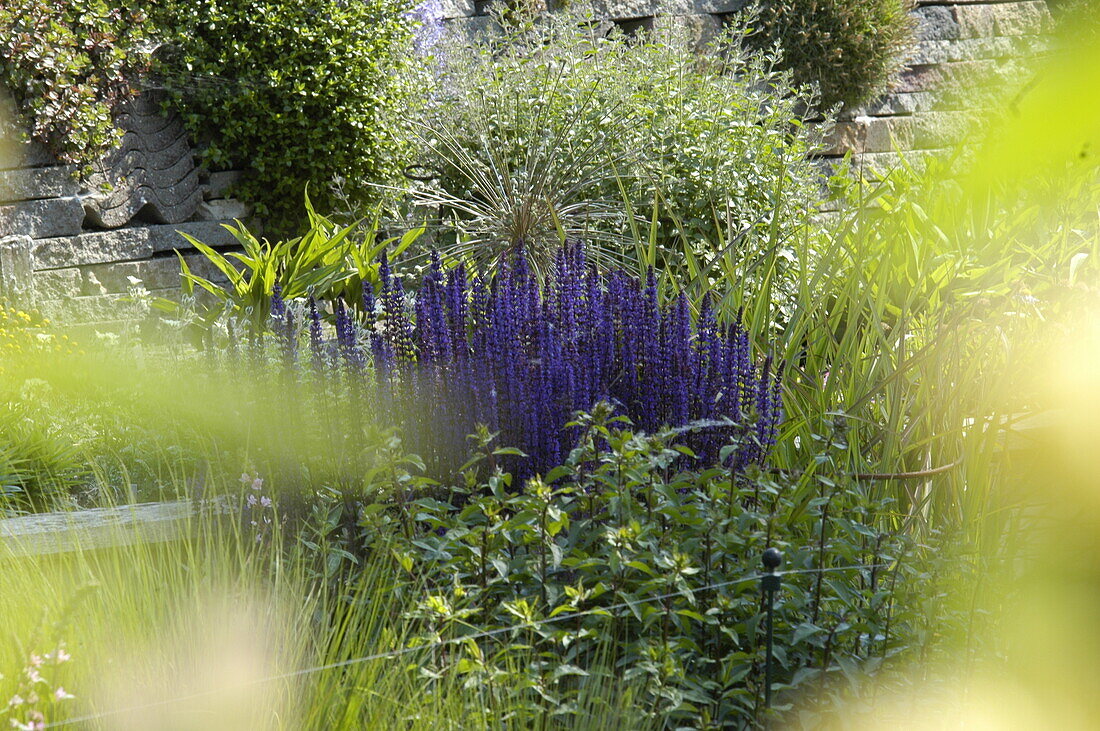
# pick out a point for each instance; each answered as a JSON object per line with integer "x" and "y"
{"x": 69, "y": 64}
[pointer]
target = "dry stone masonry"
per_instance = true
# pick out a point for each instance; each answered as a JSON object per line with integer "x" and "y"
{"x": 961, "y": 46}
{"x": 80, "y": 248}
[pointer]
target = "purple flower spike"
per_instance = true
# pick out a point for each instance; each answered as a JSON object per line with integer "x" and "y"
{"x": 521, "y": 358}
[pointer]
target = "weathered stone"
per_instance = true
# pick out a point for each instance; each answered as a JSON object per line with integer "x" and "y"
{"x": 157, "y": 273}
{"x": 57, "y": 284}
{"x": 34, "y": 183}
{"x": 1003, "y": 19}
{"x": 899, "y": 104}
{"x": 457, "y": 8}
{"x": 699, "y": 29}
{"x": 100, "y": 308}
{"x": 929, "y": 77}
{"x": 888, "y": 134}
{"x": 15, "y": 269}
{"x": 17, "y": 153}
{"x": 151, "y": 175}
{"x": 720, "y": 7}
{"x": 42, "y": 219}
{"x": 128, "y": 244}
{"x": 218, "y": 184}
{"x": 973, "y": 49}
{"x": 470, "y": 29}
{"x": 624, "y": 9}
{"x": 223, "y": 209}
{"x": 937, "y": 22}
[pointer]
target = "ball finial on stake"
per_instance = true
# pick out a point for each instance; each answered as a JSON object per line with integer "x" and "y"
{"x": 771, "y": 559}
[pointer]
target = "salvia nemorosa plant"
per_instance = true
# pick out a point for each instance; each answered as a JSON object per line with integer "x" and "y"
{"x": 522, "y": 357}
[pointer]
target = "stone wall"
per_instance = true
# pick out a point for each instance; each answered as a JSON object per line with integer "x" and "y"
{"x": 76, "y": 250}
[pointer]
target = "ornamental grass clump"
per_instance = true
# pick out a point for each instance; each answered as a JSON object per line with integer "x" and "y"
{"x": 521, "y": 357}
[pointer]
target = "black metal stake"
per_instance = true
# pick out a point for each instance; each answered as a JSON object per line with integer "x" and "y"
{"x": 769, "y": 583}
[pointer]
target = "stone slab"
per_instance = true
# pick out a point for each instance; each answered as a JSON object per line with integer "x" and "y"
{"x": 162, "y": 272}
{"x": 34, "y": 183}
{"x": 930, "y": 77}
{"x": 125, "y": 244}
{"x": 937, "y": 22}
{"x": 223, "y": 209}
{"x": 700, "y": 29}
{"x": 57, "y": 284}
{"x": 719, "y": 7}
{"x": 96, "y": 528}
{"x": 42, "y": 219}
{"x": 217, "y": 185}
{"x": 627, "y": 9}
{"x": 907, "y": 103}
{"x": 1003, "y": 19}
{"x": 933, "y": 130}
{"x": 15, "y": 270}
{"x": 974, "y": 49}
{"x": 457, "y": 8}
{"x": 469, "y": 29}
{"x": 82, "y": 309}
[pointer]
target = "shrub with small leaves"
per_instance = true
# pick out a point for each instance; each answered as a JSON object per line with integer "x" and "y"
{"x": 69, "y": 66}
{"x": 849, "y": 48}
{"x": 292, "y": 92}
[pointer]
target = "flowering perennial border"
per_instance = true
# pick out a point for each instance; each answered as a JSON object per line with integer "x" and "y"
{"x": 522, "y": 357}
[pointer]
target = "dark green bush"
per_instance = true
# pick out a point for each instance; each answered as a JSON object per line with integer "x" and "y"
{"x": 849, "y": 48}
{"x": 292, "y": 92}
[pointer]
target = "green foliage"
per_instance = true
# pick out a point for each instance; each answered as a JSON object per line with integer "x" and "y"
{"x": 292, "y": 92}
{"x": 325, "y": 262}
{"x": 41, "y": 447}
{"x": 70, "y": 65}
{"x": 850, "y": 48}
{"x": 630, "y": 557}
{"x": 556, "y": 127}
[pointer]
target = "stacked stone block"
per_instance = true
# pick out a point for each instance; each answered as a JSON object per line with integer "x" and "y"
{"x": 963, "y": 48}
{"x": 56, "y": 253}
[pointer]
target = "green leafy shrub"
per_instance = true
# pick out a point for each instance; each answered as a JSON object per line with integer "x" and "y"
{"x": 618, "y": 562}
{"x": 292, "y": 92}
{"x": 556, "y": 127}
{"x": 849, "y": 48}
{"x": 69, "y": 66}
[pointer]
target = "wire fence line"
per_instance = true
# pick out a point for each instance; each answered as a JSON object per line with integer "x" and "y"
{"x": 393, "y": 654}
